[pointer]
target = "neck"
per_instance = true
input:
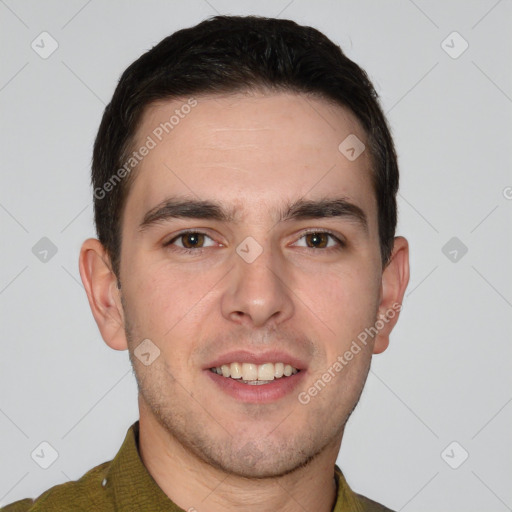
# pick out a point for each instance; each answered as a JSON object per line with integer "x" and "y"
{"x": 193, "y": 484}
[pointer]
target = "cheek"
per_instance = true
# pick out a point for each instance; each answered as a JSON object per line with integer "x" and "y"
{"x": 167, "y": 303}
{"x": 159, "y": 307}
{"x": 346, "y": 300}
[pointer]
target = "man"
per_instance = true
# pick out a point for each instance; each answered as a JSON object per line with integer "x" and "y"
{"x": 245, "y": 188}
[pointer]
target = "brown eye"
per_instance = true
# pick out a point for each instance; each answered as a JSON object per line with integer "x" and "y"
{"x": 320, "y": 240}
{"x": 191, "y": 240}
{"x": 317, "y": 240}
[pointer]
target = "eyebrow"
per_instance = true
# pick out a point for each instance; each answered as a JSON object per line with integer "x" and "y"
{"x": 302, "y": 209}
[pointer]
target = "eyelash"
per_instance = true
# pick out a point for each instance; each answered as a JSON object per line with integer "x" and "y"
{"x": 198, "y": 251}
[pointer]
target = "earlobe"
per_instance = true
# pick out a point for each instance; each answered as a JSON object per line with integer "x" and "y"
{"x": 103, "y": 294}
{"x": 395, "y": 278}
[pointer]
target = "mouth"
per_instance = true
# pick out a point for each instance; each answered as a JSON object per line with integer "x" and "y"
{"x": 255, "y": 374}
{"x": 257, "y": 378}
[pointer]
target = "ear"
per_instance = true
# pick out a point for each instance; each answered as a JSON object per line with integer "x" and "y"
{"x": 395, "y": 278}
{"x": 104, "y": 297}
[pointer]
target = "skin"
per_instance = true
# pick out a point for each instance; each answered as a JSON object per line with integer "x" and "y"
{"x": 253, "y": 152}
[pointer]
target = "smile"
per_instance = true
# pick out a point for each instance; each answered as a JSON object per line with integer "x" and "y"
{"x": 255, "y": 374}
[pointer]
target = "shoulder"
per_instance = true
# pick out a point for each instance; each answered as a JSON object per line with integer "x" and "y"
{"x": 350, "y": 500}
{"x": 368, "y": 505}
{"x": 77, "y": 495}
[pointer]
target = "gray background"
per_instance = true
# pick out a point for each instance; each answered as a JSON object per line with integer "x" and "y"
{"x": 446, "y": 376}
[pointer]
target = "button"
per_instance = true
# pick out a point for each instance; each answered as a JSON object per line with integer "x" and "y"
{"x": 104, "y": 483}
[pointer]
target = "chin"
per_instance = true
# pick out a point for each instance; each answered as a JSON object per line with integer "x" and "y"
{"x": 260, "y": 470}
{"x": 255, "y": 462}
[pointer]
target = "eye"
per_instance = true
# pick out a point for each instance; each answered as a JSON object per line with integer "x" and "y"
{"x": 190, "y": 240}
{"x": 321, "y": 240}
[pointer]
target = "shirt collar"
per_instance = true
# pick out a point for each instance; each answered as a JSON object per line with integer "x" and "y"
{"x": 132, "y": 485}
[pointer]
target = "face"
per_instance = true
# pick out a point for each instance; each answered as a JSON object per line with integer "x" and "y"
{"x": 282, "y": 267}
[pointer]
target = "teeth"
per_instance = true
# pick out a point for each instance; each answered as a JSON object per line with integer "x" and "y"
{"x": 249, "y": 371}
{"x": 236, "y": 371}
{"x": 266, "y": 371}
{"x": 255, "y": 374}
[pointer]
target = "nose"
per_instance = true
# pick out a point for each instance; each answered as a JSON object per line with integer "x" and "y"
{"x": 258, "y": 291}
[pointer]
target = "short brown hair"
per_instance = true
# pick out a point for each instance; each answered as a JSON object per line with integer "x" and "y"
{"x": 232, "y": 54}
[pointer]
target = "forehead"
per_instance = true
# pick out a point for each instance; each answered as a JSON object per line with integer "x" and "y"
{"x": 249, "y": 149}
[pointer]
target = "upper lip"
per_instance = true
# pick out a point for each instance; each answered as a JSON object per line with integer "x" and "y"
{"x": 245, "y": 356}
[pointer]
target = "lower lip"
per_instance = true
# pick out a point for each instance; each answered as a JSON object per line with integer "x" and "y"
{"x": 259, "y": 393}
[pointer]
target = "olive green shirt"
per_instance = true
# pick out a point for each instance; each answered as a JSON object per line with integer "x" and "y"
{"x": 125, "y": 485}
